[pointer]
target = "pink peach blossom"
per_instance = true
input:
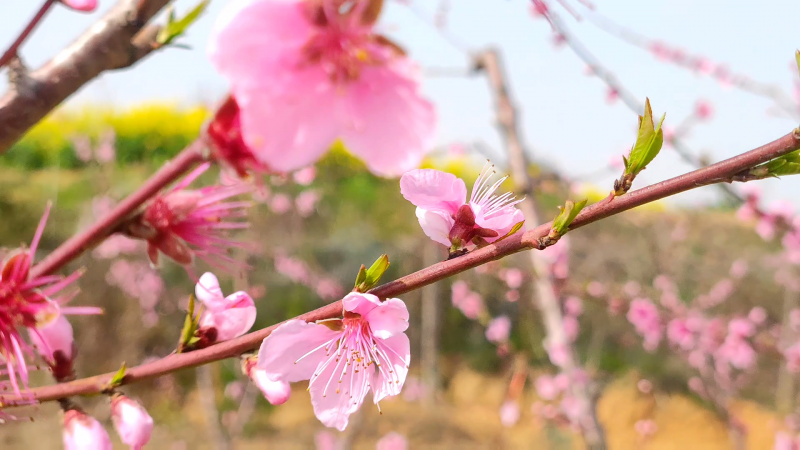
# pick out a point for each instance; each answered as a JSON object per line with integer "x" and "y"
{"x": 792, "y": 356}
{"x": 739, "y": 269}
{"x": 573, "y": 306}
{"x": 645, "y": 427}
{"x": 571, "y": 327}
{"x": 741, "y": 327}
{"x": 306, "y": 73}
{"x": 557, "y": 258}
{"x": 224, "y": 318}
{"x": 513, "y": 277}
{"x": 132, "y": 422}
{"x": 703, "y": 109}
{"x": 82, "y": 432}
{"x": 306, "y": 203}
{"x": 183, "y": 223}
{"x": 512, "y": 295}
{"x": 392, "y": 441}
{"x": 644, "y": 386}
{"x": 757, "y": 315}
{"x": 280, "y": 204}
{"x": 679, "y": 333}
{"x": 54, "y": 341}
{"x": 509, "y": 413}
{"x": 737, "y": 352}
{"x": 596, "y": 289}
{"x": 31, "y": 303}
{"x": 292, "y": 268}
{"x": 343, "y": 359}
{"x": 498, "y": 329}
{"x": 305, "y": 176}
{"x": 81, "y": 5}
{"x": 450, "y": 218}
{"x": 546, "y": 387}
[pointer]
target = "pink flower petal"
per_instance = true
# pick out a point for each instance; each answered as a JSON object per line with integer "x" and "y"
{"x": 436, "y": 225}
{"x": 433, "y": 189}
{"x": 261, "y": 44}
{"x": 294, "y": 350}
{"x": 388, "y": 381}
{"x": 359, "y": 303}
{"x": 208, "y": 291}
{"x": 388, "y": 319}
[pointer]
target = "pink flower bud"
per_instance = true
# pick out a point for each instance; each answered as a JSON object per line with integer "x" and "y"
{"x": 225, "y": 132}
{"x": 82, "y": 432}
{"x": 81, "y": 5}
{"x": 703, "y": 110}
{"x": 131, "y": 421}
{"x": 54, "y": 342}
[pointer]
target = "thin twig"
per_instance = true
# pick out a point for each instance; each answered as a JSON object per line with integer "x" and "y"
{"x": 79, "y": 243}
{"x": 514, "y": 244}
{"x": 11, "y": 53}
{"x": 625, "y": 95}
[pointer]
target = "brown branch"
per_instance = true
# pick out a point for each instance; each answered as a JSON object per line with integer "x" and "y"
{"x": 545, "y": 294}
{"x": 424, "y": 277}
{"x": 111, "y": 43}
{"x": 11, "y": 53}
{"x": 79, "y": 243}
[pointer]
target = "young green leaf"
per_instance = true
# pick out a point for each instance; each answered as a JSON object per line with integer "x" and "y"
{"x": 116, "y": 380}
{"x": 514, "y": 229}
{"x": 189, "y": 326}
{"x": 176, "y": 28}
{"x": 375, "y": 272}
{"x": 568, "y": 213}
{"x": 788, "y": 164}
{"x": 648, "y": 142}
{"x": 362, "y": 275}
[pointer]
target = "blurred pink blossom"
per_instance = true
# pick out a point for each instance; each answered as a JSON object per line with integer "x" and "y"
{"x": 132, "y": 422}
{"x": 792, "y": 356}
{"x": 498, "y": 329}
{"x": 571, "y": 327}
{"x": 680, "y": 334}
{"x": 757, "y": 315}
{"x": 280, "y": 204}
{"x": 596, "y": 289}
{"x": 306, "y": 203}
{"x": 557, "y": 256}
{"x": 341, "y": 79}
{"x": 81, "y": 5}
{"x": 632, "y": 288}
{"x": 573, "y": 306}
{"x": 392, "y": 441}
{"x": 645, "y": 428}
{"x": 512, "y": 295}
{"x": 572, "y": 408}
{"x": 329, "y": 289}
{"x": 325, "y": 440}
{"x": 292, "y": 268}
{"x": 739, "y": 269}
{"x": 737, "y": 352}
{"x": 644, "y": 386}
{"x": 546, "y": 387}
{"x": 740, "y": 327}
{"x": 82, "y": 431}
{"x": 558, "y": 353}
{"x": 509, "y": 413}
{"x": 116, "y": 245}
{"x": 305, "y": 176}
{"x": 513, "y": 277}
{"x": 703, "y": 109}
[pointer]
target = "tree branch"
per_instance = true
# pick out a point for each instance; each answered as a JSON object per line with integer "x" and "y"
{"x": 79, "y": 243}
{"x": 424, "y": 277}
{"x": 111, "y": 43}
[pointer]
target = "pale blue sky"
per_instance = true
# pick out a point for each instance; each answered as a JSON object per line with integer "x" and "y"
{"x": 565, "y": 117}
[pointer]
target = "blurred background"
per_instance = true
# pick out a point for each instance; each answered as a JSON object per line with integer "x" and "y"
{"x": 723, "y": 73}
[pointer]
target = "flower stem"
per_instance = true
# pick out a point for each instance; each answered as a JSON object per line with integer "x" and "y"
{"x": 12, "y": 50}
{"x": 79, "y": 243}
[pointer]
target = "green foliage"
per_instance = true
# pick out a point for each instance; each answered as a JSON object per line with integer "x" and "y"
{"x": 566, "y": 215}
{"x": 648, "y": 142}
{"x": 174, "y": 29}
{"x": 150, "y": 133}
{"x": 369, "y": 278}
{"x": 788, "y": 164}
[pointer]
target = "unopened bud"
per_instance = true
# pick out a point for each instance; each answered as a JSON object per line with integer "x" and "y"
{"x": 134, "y": 426}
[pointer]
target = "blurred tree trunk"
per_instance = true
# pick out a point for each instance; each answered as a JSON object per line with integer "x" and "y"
{"x": 208, "y": 401}
{"x": 430, "y": 331}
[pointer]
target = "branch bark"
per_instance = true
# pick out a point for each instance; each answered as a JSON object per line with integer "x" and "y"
{"x": 517, "y": 243}
{"x": 545, "y": 293}
{"x": 118, "y": 40}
